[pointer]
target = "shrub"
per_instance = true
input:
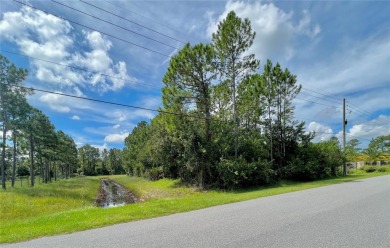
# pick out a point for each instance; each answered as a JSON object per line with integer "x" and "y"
{"x": 382, "y": 168}
{"x": 23, "y": 171}
{"x": 368, "y": 168}
{"x": 155, "y": 173}
{"x": 310, "y": 163}
{"x": 239, "y": 173}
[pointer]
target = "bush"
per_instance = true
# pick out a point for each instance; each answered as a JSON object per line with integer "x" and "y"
{"x": 310, "y": 163}
{"x": 239, "y": 173}
{"x": 368, "y": 168}
{"x": 382, "y": 168}
{"x": 23, "y": 171}
{"x": 155, "y": 173}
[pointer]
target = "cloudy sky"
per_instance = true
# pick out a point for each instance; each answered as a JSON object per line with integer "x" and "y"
{"x": 118, "y": 51}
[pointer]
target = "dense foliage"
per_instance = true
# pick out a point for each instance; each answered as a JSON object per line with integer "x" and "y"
{"x": 30, "y": 145}
{"x": 224, "y": 124}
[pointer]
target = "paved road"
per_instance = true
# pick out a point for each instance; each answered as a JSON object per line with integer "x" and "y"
{"x": 353, "y": 214}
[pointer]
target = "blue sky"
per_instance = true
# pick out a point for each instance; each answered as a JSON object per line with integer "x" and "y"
{"x": 337, "y": 49}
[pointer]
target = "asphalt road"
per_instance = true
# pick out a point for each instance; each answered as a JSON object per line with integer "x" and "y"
{"x": 353, "y": 214}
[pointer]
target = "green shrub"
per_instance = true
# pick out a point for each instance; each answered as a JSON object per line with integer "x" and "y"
{"x": 155, "y": 173}
{"x": 23, "y": 171}
{"x": 239, "y": 173}
{"x": 310, "y": 163}
{"x": 368, "y": 168}
{"x": 381, "y": 168}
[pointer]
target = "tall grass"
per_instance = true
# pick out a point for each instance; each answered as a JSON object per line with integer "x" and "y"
{"x": 43, "y": 199}
{"x": 68, "y": 205}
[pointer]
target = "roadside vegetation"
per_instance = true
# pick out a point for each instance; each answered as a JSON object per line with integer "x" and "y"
{"x": 225, "y": 132}
{"x": 69, "y": 205}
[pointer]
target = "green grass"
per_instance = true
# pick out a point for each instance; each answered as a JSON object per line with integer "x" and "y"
{"x": 68, "y": 205}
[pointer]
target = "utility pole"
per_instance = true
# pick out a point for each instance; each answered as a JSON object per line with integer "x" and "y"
{"x": 344, "y": 124}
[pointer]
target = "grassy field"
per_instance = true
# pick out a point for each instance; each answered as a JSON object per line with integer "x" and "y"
{"x": 69, "y": 205}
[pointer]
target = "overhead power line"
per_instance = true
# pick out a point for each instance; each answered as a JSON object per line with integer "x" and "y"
{"x": 150, "y": 19}
{"x": 81, "y": 69}
{"x": 320, "y": 93}
{"x": 92, "y": 5}
{"x": 104, "y": 102}
{"x": 82, "y": 25}
{"x": 317, "y": 103}
{"x": 113, "y": 24}
{"x": 321, "y": 98}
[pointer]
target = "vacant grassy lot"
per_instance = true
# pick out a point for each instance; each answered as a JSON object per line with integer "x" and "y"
{"x": 69, "y": 205}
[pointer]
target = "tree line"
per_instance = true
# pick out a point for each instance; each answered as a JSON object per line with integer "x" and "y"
{"x": 225, "y": 124}
{"x": 30, "y": 145}
{"x": 231, "y": 126}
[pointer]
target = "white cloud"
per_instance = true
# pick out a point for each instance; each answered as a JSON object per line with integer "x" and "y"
{"x": 101, "y": 147}
{"x": 363, "y": 131}
{"x": 274, "y": 27}
{"x": 75, "y": 117}
{"x": 116, "y": 138}
{"x": 116, "y": 126}
{"x": 322, "y": 132}
{"x": 97, "y": 42}
{"x": 370, "y": 129}
{"x": 46, "y": 37}
{"x": 354, "y": 66}
{"x": 7, "y": 134}
{"x": 56, "y": 102}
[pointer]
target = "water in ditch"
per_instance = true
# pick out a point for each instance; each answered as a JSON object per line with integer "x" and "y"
{"x": 113, "y": 194}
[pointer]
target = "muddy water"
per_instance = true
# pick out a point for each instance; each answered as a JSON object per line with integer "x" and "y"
{"x": 113, "y": 194}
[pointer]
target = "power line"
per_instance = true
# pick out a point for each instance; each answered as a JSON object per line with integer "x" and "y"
{"x": 105, "y": 102}
{"x": 368, "y": 116}
{"x": 357, "y": 107}
{"x": 163, "y": 25}
{"x": 129, "y": 30}
{"x": 132, "y": 21}
{"x": 80, "y": 69}
{"x": 82, "y": 25}
{"x": 308, "y": 89}
{"x": 317, "y": 103}
{"x": 319, "y": 97}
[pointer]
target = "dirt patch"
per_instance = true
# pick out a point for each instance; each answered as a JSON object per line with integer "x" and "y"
{"x": 112, "y": 194}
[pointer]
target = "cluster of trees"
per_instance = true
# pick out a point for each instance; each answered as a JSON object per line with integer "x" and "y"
{"x": 92, "y": 162}
{"x": 377, "y": 150}
{"x": 225, "y": 124}
{"x": 29, "y": 142}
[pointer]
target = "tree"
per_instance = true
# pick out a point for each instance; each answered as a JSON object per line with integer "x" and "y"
{"x": 134, "y": 145}
{"x": 66, "y": 153}
{"x": 115, "y": 157}
{"x": 378, "y": 147}
{"x": 351, "y": 150}
{"x": 232, "y": 39}
{"x": 11, "y": 78}
{"x": 17, "y": 124}
{"x": 190, "y": 74}
{"x": 105, "y": 162}
{"x": 88, "y": 158}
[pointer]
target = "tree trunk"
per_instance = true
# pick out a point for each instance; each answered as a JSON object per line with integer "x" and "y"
{"x": 32, "y": 176}
{"x": 234, "y": 111}
{"x": 46, "y": 177}
{"x": 3, "y": 156}
{"x": 14, "y": 158}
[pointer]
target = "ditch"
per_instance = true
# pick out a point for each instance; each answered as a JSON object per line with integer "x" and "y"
{"x": 113, "y": 194}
